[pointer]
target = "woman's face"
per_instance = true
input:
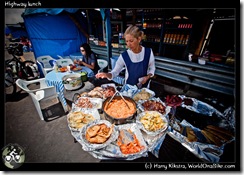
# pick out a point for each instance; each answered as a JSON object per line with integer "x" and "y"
{"x": 132, "y": 42}
{"x": 82, "y": 50}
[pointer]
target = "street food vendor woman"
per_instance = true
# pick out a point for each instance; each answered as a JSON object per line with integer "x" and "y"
{"x": 139, "y": 61}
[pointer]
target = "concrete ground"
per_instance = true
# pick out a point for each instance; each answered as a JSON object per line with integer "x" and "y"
{"x": 50, "y": 141}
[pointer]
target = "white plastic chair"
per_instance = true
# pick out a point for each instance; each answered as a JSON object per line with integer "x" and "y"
{"x": 60, "y": 57}
{"x": 64, "y": 57}
{"x": 102, "y": 64}
{"x": 46, "y": 62}
{"x": 64, "y": 62}
{"x": 43, "y": 93}
{"x": 42, "y": 69}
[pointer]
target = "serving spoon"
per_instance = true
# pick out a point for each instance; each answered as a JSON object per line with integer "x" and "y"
{"x": 117, "y": 92}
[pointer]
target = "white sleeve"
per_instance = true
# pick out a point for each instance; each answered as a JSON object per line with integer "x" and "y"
{"x": 151, "y": 65}
{"x": 118, "y": 67}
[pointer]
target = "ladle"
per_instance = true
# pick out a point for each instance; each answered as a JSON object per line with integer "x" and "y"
{"x": 116, "y": 91}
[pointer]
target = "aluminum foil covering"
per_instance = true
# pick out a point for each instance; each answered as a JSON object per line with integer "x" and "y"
{"x": 129, "y": 90}
{"x": 152, "y": 93}
{"x": 228, "y": 116}
{"x": 206, "y": 152}
{"x": 96, "y": 103}
{"x": 91, "y": 147}
{"x": 93, "y": 112}
{"x": 135, "y": 129}
{"x": 140, "y": 102}
{"x": 200, "y": 107}
{"x": 112, "y": 150}
{"x": 152, "y": 133}
{"x": 154, "y": 142}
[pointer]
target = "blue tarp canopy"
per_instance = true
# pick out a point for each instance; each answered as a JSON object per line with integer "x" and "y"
{"x": 55, "y": 31}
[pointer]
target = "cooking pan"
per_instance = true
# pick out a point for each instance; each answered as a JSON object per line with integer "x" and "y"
{"x": 115, "y": 120}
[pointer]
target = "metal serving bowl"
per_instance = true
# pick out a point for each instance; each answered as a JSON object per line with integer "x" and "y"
{"x": 119, "y": 121}
{"x": 72, "y": 81}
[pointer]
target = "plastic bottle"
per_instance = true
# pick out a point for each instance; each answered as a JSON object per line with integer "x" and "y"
{"x": 55, "y": 66}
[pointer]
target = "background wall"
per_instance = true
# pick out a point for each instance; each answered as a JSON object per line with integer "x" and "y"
{"x": 13, "y": 15}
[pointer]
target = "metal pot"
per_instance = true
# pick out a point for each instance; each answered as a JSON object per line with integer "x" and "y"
{"x": 72, "y": 81}
{"x": 119, "y": 121}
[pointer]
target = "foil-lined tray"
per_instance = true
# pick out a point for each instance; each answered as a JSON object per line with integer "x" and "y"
{"x": 111, "y": 150}
{"x": 128, "y": 90}
{"x": 96, "y": 103}
{"x": 200, "y": 147}
{"x": 150, "y": 116}
{"x": 144, "y": 91}
{"x": 135, "y": 129}
{"x": 200, "y": 107}
{"x": 140, "y": 105}
{"x": 204, "y": 151}
{"x": 93, "y": 112}
{"x": 92, "y": 146}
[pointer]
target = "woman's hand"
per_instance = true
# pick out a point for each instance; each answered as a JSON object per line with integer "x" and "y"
{"x": 103, "y": 75}
{"x": 81, "y": 63}
{"x": 144, "y": 79}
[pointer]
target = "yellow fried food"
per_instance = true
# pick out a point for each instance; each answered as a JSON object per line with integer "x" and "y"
{"x": 99, "y": 133}
{"x": 78, "y": 119}
{"x": 152, "y": 121}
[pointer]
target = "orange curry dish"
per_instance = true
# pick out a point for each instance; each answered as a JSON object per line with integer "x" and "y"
{"x": 117, "y": 108}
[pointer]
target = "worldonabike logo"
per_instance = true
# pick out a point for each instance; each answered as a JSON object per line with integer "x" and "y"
{"x": 13, "y": 156}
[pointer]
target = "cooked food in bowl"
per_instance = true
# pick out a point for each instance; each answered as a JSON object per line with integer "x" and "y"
{"x": 142, "y": 95}
{"x": 87, "y": 102}
{"x": 72, "y": 81}
{"x": 99, "y": 133}
{"x": 128, "y": 142}
{"x": 117, "y": 108}
{"x": 152, "y": 105}
{"x": 78, "y": 119}
{"x": 152, "y": 121}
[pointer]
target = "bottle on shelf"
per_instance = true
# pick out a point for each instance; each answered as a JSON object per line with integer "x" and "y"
{"x": 169, "y": 36}
{"x": 174, "y": 38}
{"x": 181, "y": 38}
{"x": 177, "y": 38}
{"x": 186, "y": 39}
{"x": 165, "y": 37}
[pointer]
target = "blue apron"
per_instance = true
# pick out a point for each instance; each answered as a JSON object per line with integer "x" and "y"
{"x": 136, "y": 70}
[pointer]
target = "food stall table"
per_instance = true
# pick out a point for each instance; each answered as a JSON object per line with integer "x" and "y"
{"x": 204, "y": 151}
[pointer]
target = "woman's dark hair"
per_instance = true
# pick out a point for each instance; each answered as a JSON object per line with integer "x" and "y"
{"x": 87, "y": 48}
